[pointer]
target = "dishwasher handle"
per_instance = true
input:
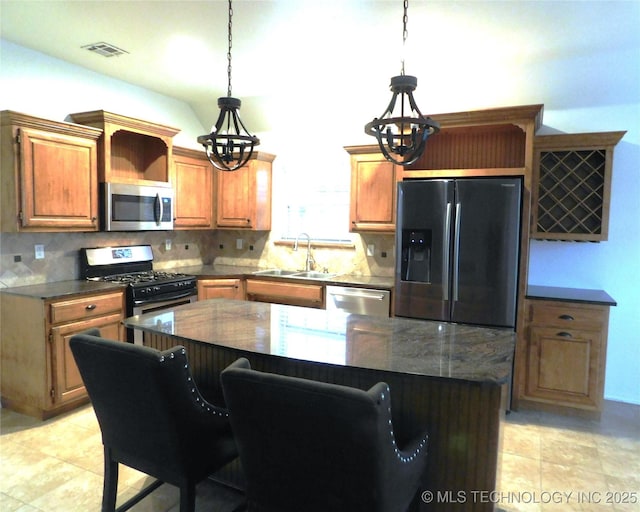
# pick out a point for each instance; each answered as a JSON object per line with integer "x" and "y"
{"x": 359, "y": 295}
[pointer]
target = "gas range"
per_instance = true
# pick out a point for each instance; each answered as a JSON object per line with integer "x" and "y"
{"x": 151, "y": 283}
{"x": 132, "y": 266}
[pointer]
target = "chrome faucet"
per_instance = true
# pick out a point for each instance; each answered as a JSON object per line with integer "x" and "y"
{"x": 309, "y": 261}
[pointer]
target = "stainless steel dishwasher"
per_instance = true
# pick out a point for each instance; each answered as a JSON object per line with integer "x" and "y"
{"x": 363, "y": 301}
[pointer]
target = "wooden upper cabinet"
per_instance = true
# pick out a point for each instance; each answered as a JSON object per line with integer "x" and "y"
{"x": 243, "y": 197}
{"x": 49, "y": 175}
{"x": 373, "y": 191}
{"x": 192, "y": 178}
{"x": 572, "y": 186}
{"x": 131, "y": 150}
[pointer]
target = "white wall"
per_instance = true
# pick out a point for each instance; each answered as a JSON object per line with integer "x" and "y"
{"x": 39, "y": 85}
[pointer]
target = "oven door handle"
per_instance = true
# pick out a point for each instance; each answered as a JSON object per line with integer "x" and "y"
{"x": 164, "y": 298}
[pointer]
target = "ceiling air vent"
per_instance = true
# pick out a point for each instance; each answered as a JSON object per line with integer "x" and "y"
{"x": 105, "y": 49}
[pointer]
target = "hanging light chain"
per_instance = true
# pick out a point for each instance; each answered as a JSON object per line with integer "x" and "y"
{"x": 230, "y": 26}
{"x": 229, "y": 145}
{"x": 405, "y": 33}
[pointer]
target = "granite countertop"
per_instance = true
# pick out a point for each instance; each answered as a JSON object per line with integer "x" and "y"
{"x": 233, "y": 271}
{"x": 61, "y": 289}
{"x": 56, "y": 289}
{"x": 599, "y": 297}
{"x": 434, "y": 349}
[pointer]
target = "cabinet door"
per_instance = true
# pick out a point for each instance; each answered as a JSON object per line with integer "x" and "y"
{"x": 373, "y": 194}
{"x": 236, "y": 193}
{"x": 66, "y": 383}
{"x": 59, "y": 181}
{"x": 220, "y": 289}
{"x": 564, "y": 365}
{"x": 193, "y": 183}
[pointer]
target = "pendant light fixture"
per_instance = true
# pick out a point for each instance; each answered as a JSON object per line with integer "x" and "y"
{"x": 229, "y": 146}
{"x": 402, "y": 130}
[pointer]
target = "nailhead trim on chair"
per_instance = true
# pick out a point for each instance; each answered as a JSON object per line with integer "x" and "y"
{"x": 216, "y": 411}
{"x": 402, "y": 458}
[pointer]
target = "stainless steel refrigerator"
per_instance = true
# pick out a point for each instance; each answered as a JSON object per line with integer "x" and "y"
{"x": 457, "y": 250}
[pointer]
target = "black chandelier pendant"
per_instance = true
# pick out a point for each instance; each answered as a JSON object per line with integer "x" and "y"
{"x": 229, "y": 146}
{"x": 402, "y": 130}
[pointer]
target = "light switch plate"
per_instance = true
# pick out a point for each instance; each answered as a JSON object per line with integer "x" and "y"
{"x": 371, "y": 249}
{"x": 167, "y": 244}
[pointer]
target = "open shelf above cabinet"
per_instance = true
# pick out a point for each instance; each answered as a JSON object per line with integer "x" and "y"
{"x": 131, "y": 150}
{"x": 472, "y": 147}
{"x": 479, "y": 143}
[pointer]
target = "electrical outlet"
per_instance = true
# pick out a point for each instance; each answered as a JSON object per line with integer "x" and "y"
{"x": 371, "y": 249}
{"x": 239, "y": 243}
{"x": 39, "y": 250}
{"x": 17, "y": 258}
{"x": 167, "y": 244}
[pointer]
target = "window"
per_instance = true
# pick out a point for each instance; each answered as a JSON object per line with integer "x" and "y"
{"x": 319, "y": 207}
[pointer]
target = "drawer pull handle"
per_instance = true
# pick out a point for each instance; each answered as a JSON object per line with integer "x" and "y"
{"x": 564, "y": 334}
{"x": 565, "y": 317}
{"x": 90, "y": 307}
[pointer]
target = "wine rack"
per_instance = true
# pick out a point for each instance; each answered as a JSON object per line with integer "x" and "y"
{"x": 572, "y": 186}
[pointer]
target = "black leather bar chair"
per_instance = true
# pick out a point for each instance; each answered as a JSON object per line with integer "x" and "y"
{"x": 152, "y": 417}
{"x": 317, "y": 447}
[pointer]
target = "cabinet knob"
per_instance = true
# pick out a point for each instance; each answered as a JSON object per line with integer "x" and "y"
{"x": 565, "y": 317}
{"x": 90, "y": 307}
{"x": 564, "y": 334}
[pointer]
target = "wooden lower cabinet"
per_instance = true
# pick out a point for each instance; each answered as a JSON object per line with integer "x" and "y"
{"x": 39, "y": 374}
{"x": 292, "y": 294}
{"x": 566, "y": 353}
{"x": 220, "y": 289}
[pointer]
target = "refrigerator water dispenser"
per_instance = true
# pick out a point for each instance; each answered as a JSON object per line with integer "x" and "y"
{"x": 416, "y": 255}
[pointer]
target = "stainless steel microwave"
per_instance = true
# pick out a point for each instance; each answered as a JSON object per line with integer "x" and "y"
{"x": 131, "y": 207}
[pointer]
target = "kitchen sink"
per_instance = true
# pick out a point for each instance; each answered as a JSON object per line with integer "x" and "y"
{"x": 277, "y": 272}
{"x": 313, "y": 275}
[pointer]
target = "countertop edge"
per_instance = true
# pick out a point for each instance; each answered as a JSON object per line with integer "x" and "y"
{"x": 579, "y": 295}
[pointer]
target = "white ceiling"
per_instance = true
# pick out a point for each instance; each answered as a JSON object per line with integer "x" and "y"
{"x": 281, "y": 48}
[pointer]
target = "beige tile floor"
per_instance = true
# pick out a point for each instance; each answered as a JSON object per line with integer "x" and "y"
{"x": 548, "y": 463}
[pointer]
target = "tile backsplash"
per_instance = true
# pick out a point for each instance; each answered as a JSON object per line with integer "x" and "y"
{"x": 19, "y": 267}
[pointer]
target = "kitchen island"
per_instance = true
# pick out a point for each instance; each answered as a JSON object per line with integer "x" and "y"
{"x": 446, "y": 378}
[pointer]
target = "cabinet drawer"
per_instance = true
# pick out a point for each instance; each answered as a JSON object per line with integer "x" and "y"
{"x": 85, "y": 307}
{"x": 567, "y": 316}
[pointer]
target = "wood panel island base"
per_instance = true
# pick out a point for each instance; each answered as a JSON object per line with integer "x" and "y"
{"x": 446, "y": 378}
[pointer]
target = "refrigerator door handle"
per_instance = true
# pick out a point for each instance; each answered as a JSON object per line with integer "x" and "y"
{"x": 445, "y": 253}
{"x": 456, "y": 251}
